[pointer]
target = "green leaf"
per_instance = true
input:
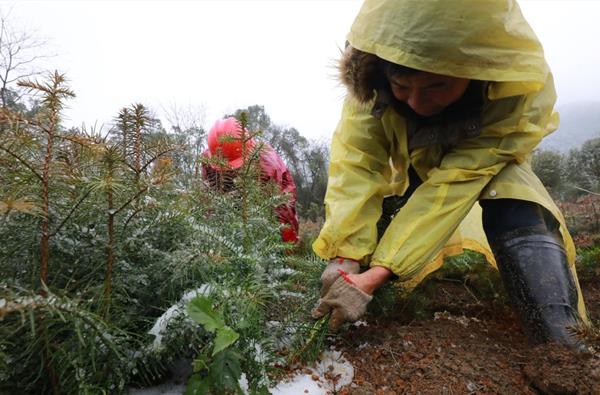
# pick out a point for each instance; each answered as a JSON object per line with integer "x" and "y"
{"x": 225, "y": 337}
{"x": 197, "y": 385}
{"x": 200, "y": 310}
{"x": 200, "y": 363}
{"x": 225, "y": 371}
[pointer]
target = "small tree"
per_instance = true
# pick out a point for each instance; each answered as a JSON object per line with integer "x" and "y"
{"x": 41, "y": 134}
{"x": 125, "y": 181}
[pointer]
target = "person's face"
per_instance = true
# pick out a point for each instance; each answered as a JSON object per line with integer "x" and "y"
{"x": 427, "y": 93}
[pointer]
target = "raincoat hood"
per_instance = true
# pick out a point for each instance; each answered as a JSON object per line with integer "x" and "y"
{"x": 487, "y": 40}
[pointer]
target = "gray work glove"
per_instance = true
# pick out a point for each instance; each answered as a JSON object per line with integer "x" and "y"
{"x": 345, "y": 301}
{"x": 331, "y": 273}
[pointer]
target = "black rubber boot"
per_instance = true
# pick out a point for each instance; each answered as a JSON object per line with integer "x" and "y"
{"x": 536, "y": 276}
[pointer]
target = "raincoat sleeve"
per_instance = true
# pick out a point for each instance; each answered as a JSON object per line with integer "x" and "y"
{"x": 359, "y": 171}
{"x": 513, "y": 127}
{"x": 286, "y": 213}
{"x": 274, "y": 169}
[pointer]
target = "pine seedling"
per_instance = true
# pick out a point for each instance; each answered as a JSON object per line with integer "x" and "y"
{"x": 45, "y": 131}
{"x": 219, "y": 371}
{"x": 56, "y": 345}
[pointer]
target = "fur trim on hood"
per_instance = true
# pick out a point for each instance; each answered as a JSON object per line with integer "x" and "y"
{"x": 361, "y": 73}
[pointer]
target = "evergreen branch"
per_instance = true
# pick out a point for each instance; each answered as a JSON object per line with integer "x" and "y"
{"x": 23, "y": 161}
{"x": 224, "y": 241}
{"x": 53, "y": 303}
{"x": 252, "y": 158}
{"x": 64, "y": 221}
{"x": 315, "y": 335}
{"x": 138, "y": 194}
{"x": 155, "y": 157}
{"x": 135, "y": 212}
{"x": 51, "y": 89}
{"x": 84, "y": 142}
{"x": 584, "y": 190}
{"x": 7, "y": 115}
{"x": 130, "y": 166}
{"x": 92, "y": 324}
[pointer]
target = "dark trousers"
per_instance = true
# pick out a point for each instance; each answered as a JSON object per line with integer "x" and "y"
{"x": 499, "y": 215}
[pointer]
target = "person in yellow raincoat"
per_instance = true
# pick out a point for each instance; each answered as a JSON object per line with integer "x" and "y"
{"x": 446, "y": 101}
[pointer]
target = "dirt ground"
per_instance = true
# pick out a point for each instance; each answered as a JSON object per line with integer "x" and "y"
{"x": 466, "y": 346}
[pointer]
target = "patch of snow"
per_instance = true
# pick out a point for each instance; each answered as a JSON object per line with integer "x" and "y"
{"x": 203, "y": 290}
{"x": 173, "y": 388}
{"x": 283, "y": 272}
{"x": 331, "y": 373}
{"x": 259, "y": 354}
{"x": 363, "y": 345}
{"x": 328, "y": 375}
{"x": 300, "y": 384}
{"x": 174, "y": 311}
{"x": 243, "y": 381}
{"x": 472, "y": 387}
{"x": 149, "y": 200}
{"x": 161, "y": 323}
{"x": 462, "y": 320}
{"x": 292, "y": 294}
{"x": 360, "y": 323}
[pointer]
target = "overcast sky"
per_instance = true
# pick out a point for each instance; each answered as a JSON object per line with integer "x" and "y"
{"x": 223, "y": 55}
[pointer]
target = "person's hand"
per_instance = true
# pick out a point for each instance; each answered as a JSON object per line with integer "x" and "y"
{"x": 345, "y": 301}
{"x": 347, "y": 297}
{"x": 332, "y": 271}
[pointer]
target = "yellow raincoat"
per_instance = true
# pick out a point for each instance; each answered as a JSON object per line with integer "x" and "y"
{"x": 487, "y": 40}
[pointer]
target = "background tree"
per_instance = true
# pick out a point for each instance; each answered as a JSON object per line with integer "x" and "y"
{"x": 590, "y": 162}
{"x": 312, "y": 194}
{"x": 548, "y": 165}
{"x": 20, "y": 53}
{"x": 583, "y": 169}
{"x": 187, "y": 131}
{"x": 572, "y": 175}
{"x": 258, "y": 119}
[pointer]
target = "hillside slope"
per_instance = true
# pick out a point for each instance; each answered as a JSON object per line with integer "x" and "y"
{"x": 579, "y": 122}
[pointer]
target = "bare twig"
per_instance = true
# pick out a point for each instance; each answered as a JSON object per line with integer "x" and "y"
{"x": 584, "y": 190}
{"x": 64, "y": 221}
{"x": 135, "y": 212}
{"x": 155, "y": 157}
{"x": 138, "y": 193}
{"x": 22, "y": 161}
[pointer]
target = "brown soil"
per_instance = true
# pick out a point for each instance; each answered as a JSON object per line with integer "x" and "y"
{"x": 468, "y": 346}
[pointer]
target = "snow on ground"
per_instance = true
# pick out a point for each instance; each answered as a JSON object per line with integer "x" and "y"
{"x": 329, "y": 374}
